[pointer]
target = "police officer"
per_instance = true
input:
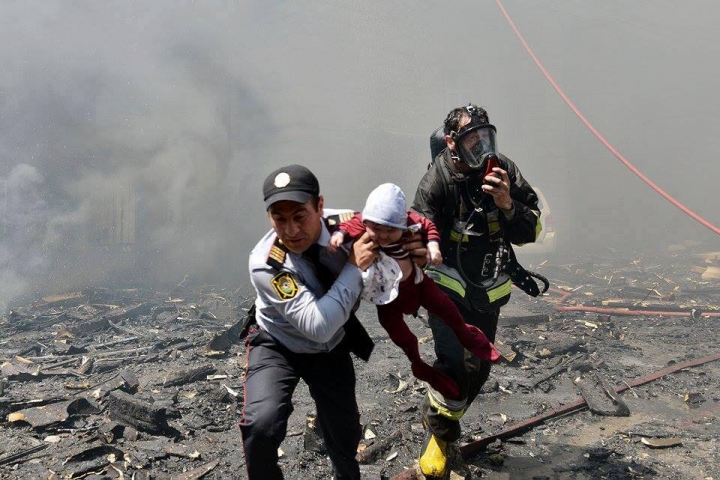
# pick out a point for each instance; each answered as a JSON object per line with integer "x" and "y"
{"x": 480, "y": 203}
{"x": 300, "y": 334}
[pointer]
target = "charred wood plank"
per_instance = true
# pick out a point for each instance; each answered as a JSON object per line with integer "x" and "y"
{"x": 86, "y": 367}
{"x": 62, "y": 364}
{"x": 137, "y": 413}
{"x": 103, "y": 321}
{"x": 129, "y": 331}
{"x": 197, "y": 472}
{"x": 46, "y": 415}
{"x": 372, "y": 453}
{"x": 562, "y": 367}
{"x": 91, "y": 326}
{"x": 65, "y": 349}
{"x": 22, "y": 454}
{"x": 190, "y": 376}
{"x": 115, "y": 342}
{"x": 66, "y": 300}
{"x": 90, "y": 458}
{"x": 600, "y": 397}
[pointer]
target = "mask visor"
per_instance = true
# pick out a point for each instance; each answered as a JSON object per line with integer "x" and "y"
{"x": 475, "y": 144}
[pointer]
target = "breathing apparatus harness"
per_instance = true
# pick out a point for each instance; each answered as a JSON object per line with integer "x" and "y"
{"x": 504, "y": 259}
{"x": 468, "y": 229}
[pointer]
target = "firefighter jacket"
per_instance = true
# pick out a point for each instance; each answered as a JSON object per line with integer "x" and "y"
{"x": 450, "y": 199}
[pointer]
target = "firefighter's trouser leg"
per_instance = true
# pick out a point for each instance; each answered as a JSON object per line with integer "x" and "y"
{"x": 441, "y": 415}
{"x": 272, "y": 374}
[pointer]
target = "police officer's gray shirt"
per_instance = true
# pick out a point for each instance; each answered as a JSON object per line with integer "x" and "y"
{"x": 291, "y": 304}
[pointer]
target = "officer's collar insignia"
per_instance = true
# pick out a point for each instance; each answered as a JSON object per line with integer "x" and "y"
{"x": 284, "y": 285}
{"x": 282, "y": 179}
{"x": 276, "y": 255}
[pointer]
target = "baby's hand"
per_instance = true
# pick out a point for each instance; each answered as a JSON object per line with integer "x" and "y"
{"x": 434, "y": 255}
{"x": 436, "y": 258}
{"x": 335, "y": 241}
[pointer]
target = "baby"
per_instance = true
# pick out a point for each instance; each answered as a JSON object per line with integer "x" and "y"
{"x": 390, "y": 225}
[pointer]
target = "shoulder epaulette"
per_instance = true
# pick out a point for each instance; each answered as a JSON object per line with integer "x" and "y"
{"x": 276, "y": 256}
{"x": 332, "y": 221}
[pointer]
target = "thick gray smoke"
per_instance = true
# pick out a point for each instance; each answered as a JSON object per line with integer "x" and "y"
{"x": 25, "y": 221}
{"x": 154, "y": 123}
{"x": 125, "y": 104}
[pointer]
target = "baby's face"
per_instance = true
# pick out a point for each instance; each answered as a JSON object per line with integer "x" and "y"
{"x": 381, "y": 234}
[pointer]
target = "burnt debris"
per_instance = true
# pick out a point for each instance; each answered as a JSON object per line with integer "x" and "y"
{"x": 612, "y": 373}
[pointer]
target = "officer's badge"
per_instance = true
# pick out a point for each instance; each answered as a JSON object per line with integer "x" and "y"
{"x": 284, "y": 285}
{"x": 282, "y": 179}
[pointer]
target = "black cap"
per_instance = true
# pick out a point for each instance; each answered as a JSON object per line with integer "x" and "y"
{"x": 294, "y": 182}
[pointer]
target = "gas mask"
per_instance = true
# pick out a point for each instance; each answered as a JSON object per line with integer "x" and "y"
{"x": 475, "y": 144}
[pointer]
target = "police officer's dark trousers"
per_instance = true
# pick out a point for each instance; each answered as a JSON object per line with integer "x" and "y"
{"x": 272, "y": 374}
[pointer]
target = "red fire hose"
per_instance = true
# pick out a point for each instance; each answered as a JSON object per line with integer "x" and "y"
{"x": 597, "y": 134}
{"x": 564, "y": 295}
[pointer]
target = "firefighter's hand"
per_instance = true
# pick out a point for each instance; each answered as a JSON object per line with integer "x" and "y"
{"x": 499, "y": 188}
{"x": 417, "y": 249}
{"x": 363, "y": 252}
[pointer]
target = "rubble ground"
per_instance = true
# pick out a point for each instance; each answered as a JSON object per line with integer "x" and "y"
{"x": 115, "y": 383}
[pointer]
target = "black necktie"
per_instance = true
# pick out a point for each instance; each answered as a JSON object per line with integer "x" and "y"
{"x": 323, "y": 273}
{"x": 357, "y": 337}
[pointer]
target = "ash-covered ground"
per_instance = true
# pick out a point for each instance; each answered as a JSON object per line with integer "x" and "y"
{"x": 131, "y": 383}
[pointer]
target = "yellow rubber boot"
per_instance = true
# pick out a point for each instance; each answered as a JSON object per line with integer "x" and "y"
{"x": 433, "y": 458}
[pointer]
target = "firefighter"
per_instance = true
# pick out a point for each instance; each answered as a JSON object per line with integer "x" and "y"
{"x": 481, "y": 204}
